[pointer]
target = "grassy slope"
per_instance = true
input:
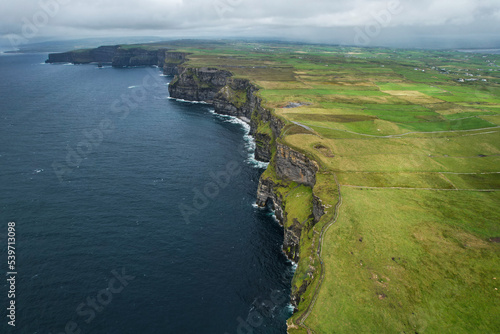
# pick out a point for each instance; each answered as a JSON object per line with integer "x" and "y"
{"x": 388, "y": 118}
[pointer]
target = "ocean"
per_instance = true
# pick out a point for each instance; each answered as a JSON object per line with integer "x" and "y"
{"x": 133, "y": 212}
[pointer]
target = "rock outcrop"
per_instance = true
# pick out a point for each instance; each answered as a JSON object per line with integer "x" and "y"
{"x": 295, "y": 166}
{"x": 318, "y": 208}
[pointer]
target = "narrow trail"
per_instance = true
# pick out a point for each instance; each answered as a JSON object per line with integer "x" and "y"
{"x": 325, "y": 228}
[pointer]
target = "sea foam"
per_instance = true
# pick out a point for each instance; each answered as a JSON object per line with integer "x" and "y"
{"x": 186, "y": 101}
{"x": 249, "y": 139}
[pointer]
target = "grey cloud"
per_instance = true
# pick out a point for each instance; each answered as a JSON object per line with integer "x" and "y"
{"x": 318, "y": 20}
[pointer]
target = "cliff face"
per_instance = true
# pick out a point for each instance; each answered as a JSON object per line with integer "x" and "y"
{"x": 198, "y": 84}
{"x": 103, "y": 54}
{"x": 267, "y": 195}
{"x": 318, "y": 208}
{"x": 289, "y": 165}
{"x": 295, "y": 166}
{"x": 135, "y": 57}
{"x": 172, "y": 61}
{"x": 115, "y": 55}
{"x": 64, "y": 57}
{"x": 240, "y": 98}
{"x": 266, "y": 127}
{"x": 229, "y": 96}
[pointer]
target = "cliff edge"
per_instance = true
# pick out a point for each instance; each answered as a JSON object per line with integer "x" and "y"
{"x": 288, "y": 170}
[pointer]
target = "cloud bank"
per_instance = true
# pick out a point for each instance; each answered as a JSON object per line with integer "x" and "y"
{"x": 419, "y": 23}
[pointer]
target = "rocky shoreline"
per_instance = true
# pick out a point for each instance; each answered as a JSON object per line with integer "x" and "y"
{"x": 239, "y": 98}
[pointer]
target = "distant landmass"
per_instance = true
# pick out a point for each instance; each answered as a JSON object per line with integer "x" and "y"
{"x": 489, "y": 51}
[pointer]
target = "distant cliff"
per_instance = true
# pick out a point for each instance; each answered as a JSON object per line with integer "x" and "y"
{"x": 103, "y": 54}
{"x": 119, "y": 56}
{"x": 172, "y": 62}
{"x": 138, "y": 57}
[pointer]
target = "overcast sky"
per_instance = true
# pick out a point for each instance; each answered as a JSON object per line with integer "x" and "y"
{"x": 420, "y": 23}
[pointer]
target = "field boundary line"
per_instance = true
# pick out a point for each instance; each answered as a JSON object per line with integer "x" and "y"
{"x": 454, "y": 173}
{"x": 435, "y": 189}
{"x": 406, "y": 133}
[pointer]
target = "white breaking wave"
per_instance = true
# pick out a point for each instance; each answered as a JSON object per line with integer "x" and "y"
{"x": 187, "y": 101}
{"x": 130, "y": 87}
{"x": 258, "y": 164}
{"x": 249, "y": 140}
{"x": 254, "y": 205}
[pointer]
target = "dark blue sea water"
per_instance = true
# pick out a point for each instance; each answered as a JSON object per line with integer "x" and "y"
{"x": 133, "y": 212}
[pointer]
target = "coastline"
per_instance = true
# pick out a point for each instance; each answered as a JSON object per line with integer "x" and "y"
{"x": 288, "y": 166}
{"x": 251, "y": 142}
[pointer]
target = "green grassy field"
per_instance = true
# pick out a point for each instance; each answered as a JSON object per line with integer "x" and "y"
{"x": 416, "y": 154}
{"x": 401, "y": 261}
